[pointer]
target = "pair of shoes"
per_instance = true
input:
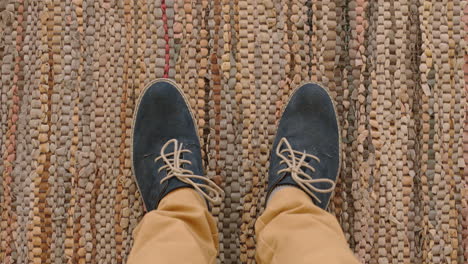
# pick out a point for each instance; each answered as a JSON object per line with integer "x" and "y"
{"x": 166, "y": 151}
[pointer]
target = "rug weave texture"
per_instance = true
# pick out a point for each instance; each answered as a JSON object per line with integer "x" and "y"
{"x": 71, "y": 71}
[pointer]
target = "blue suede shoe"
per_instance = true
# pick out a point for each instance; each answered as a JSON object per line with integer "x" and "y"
{"x": 166, "y": 151}
{"x": 306, "y": 150}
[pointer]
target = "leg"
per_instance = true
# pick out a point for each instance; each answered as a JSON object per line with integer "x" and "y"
{"x": 181, "y": 228}
{"x": 168, "y": 169}
{"x": 294, "y": 230}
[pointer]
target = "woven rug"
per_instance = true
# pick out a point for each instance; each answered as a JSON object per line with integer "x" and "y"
{"x": 71, "y": 71}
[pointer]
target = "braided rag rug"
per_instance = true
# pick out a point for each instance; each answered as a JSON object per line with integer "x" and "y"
{"x": 71, "y": 70}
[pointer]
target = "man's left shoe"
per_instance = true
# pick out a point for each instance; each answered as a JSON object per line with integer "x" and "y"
{"x": 306, "y": 150}
{"x": 166, "y": 153}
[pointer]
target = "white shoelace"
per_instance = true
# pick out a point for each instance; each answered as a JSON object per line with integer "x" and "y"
{"x": 295, "y": 161}
{"x": 173, "y": 165}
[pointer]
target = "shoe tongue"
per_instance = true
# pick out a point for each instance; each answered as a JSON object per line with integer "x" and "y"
{"x": 194, "y": 157}
{"x": 311, "y": 162}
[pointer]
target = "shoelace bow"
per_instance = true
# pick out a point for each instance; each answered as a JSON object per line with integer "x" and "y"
{"x": 174, "y": 167}
{"x": 295, "y": 161}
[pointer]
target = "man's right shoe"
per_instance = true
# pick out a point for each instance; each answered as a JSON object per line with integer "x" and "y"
{"x": 306, "y": 150}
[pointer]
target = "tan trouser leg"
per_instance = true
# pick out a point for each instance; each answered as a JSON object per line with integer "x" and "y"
{"x": 181, "y": 230}
{"x": 293, "y": 230}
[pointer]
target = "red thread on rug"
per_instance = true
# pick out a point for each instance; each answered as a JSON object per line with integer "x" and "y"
{"x": 166, "y": 37}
